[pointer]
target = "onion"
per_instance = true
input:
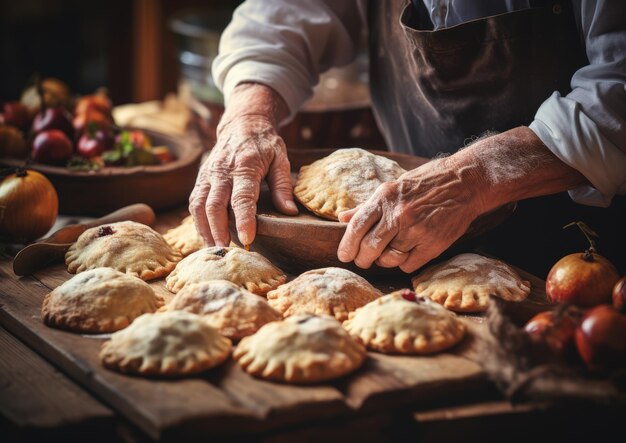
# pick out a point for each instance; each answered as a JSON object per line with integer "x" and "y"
{"x": 28, "y": 205}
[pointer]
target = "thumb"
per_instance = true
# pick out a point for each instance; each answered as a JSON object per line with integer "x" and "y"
{"x": 279, "y": 179}
{"x": 346, "y": 216}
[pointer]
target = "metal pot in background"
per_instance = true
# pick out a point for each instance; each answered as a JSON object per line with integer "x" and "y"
{"x": 338, "y": 115}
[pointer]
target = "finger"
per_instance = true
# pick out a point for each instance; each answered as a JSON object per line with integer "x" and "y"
{"x": 374, "y": 243}
{"x": 346, "y": 216}
{"x": 417, "y": 258}
{"x": 197, "y": 204}
{"x": 217, "y": 210}
{"x": 243, "y": 201}
{"x": 279, "y": 179}
{"x": 391, "y": 257}
{"x": 361, "y": 222}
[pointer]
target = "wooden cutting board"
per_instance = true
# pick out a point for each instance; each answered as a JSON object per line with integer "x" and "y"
{"x": 227, "y": 401}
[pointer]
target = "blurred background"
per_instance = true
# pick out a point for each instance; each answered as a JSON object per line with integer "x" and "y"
{"x": 143, "y": 49}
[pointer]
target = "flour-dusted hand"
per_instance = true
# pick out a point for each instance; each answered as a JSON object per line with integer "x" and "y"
{"x": 412, "y": 220}
{"x": 248, "y": 149}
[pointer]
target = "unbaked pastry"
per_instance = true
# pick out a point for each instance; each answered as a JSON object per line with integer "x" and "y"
{"x": 234, "y": 311}
{"x": 97, "y": 301}
{"x": 343, "y": 180}
{"x": 126, "y": 246}
{"x": 300, "y": 349}
{"x": 249, "y": 270}
{"x": 400, "y": 322}
{"x": 326, "y": 291}
{"x": 465, "y": 282}
{"x": 169, "y": 343}
{"x": 184, "y": 237}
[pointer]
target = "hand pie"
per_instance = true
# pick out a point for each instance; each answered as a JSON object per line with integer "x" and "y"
{"x": 170, "y": 343}
{"x": 127, "y": 246}
{"x": 97, "y": 301}
{"x": 465, "y": 282}
{"x": 184, "y": 237}
{"x": 343, "y": 180}
{"x": 403, "y": 323}
{"x": 232, "y": 310}
{"x": 249, "y": 270}
{"x": 300, "y": 349}
{"x": 326, "y": 291}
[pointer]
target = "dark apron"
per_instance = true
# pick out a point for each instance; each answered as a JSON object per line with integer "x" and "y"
{"x": 435, "y": 91}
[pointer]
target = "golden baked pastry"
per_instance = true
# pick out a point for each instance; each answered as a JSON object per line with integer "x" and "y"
{"x": 343, "y": 180}
{"x": 465, "y": 282}
{"x": 249, "y": 270}
{"x": 233, "y": 310}
{"x": 326, "y": 291}
{"x": 98, "y": 300}
{"x": 184, "y": 237}
{"x": 127, "y": 246}
{"x": 400, "y": 322}
{"x": 300, "y": 349}
{"x": 169, "y": 343}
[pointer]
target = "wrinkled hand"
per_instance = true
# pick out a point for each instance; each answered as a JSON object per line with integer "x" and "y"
{"x": 247, "y": 150}
{"x": 410, "y": 221}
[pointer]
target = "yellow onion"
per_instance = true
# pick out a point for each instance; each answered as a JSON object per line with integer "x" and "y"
{"x": 28, "y": 205}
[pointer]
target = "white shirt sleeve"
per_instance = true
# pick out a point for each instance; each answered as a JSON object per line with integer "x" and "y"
{"x": 587, "y": 128}
{"x": 286, "y": 45}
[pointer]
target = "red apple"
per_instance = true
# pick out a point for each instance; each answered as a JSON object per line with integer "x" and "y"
{"x": 601, "y": 338}
{"x": 16, "y": 114}
{"x": 52, "y": 147}
{"x": 619, "y": 295}
{"x": 555, "y": 329}
{"x": 93, "y": 145}
{"x": 53, "y": 118}
{"x": 584, "y": 279}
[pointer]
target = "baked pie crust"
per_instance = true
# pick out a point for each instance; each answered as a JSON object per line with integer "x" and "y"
{"x": 465, "y": 282}
{"x": 172, "y": 343}
{"x": 402, "y": 323}
{"x": 300, "y": 349}
{"x": 249, "y": 270}
{"x": 325, "y": 291}
{"x": 129, "y": 247}
{"x": 184, "y": 237}
{"x": 98, "y": 300}
{"x": 235, "y": 312}
{"x": 343, "y": 180}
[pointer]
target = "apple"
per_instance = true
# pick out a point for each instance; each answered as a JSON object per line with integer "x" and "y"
{"x": 619, "y": 295}
{"x": 16, "y": 114}
{"x": 93, "y": 145}
{"x": 12, "y": 143}
{"x": 555, "y": 330}
{"x": 97, "y": 102}
{"x": 584, "y": 279}
{"x": 53, "y": 118}
{"x": 52, "y": 147}
{"x": 601, "y": 338}
{"x": 91, "y": 120}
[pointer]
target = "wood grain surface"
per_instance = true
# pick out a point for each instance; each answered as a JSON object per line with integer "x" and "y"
{"x": 227, "y": 401}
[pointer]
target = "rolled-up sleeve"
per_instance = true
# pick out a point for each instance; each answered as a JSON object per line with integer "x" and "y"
{"x": 286, "y": 45}
{"x": 587, "y": 128}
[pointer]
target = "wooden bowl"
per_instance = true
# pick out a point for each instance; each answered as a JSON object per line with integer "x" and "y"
{"x": 306, "y": 241}
{"x": 97, "y": 193}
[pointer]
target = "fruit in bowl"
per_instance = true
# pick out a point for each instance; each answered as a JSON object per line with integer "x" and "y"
{"x": 52, "y": 147}
{"x": 585, "y": 279}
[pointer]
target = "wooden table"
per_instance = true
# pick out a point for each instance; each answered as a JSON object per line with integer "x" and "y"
{"x": 51, "y": 384}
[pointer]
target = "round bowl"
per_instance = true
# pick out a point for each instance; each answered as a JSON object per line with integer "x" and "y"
{"x": 96, "y": 193}
{"x": 306, "y": 241}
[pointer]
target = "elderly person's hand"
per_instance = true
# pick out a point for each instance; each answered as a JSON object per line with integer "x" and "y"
{"x": 248, "y": 149}
{"x": 410, "y": 221}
